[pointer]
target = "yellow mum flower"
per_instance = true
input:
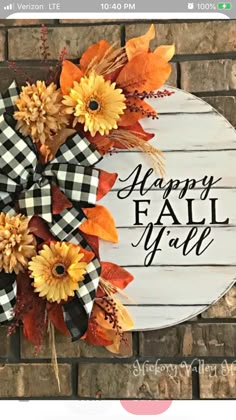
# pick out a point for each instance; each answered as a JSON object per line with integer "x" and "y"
{"x": 57, "y": 271}
{"x": 96, "y": 103}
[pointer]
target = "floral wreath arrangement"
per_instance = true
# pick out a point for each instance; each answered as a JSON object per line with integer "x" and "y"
{"x": 52, "y": 135}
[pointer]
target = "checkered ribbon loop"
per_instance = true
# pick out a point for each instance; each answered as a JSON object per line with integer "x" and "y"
{"x": 29, "y": 183}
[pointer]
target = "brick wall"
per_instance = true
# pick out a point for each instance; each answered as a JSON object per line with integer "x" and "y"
{"x": 192, "y": 360}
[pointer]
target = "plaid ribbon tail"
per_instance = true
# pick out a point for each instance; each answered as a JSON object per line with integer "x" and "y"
{"x": 78, "y": 311}
{"x": 7, "y": 296}
{"x": 76, "y": 318}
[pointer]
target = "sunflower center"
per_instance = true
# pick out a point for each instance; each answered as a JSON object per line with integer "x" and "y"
{"x": 59, "y": 270}
{"x": 93, "y": 105}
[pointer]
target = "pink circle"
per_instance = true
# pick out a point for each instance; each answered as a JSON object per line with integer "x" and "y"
{"x": 147, "y": 407}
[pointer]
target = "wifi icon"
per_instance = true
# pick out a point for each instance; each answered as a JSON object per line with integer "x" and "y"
{"x": 8, "y": 7}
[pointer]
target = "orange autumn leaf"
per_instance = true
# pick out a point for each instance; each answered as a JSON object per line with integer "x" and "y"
{"x": 53, "y": 146}
{"x": 40, "y": 228}
{"x": 116, "y": 275}
{"x": 113, "y": 75}
{"x": 55, "y": 315}
{"x": 59, "y": 201}
{"x": 116, "y": 345}
{"x": 31, "y": 321}
{"x": 138, "y": 131}
{"x": 145, "y": 72}
{"x": 93, "y": 242}
{"x": 99, "y": 223}
{"x": 94, "y": 54}
{"x": 102, "y": 321}
{"x": 140, "y": 44}
{"x": 124, "y": 319}
{"x": 44, "y": 153}
{"x": 49, "y": 150}
{"x": 132, "y": 117}
{"x": 88, "y": 255}
{"x": 34, "y": 325}
{"x": 95, "y": 335}
{"x": 102, "y": 143}
{"x": 129, "y": 117}
{"x": 106, "y": 182}
{"x": 70, "y": 73}
{"x": 165, "y": 51}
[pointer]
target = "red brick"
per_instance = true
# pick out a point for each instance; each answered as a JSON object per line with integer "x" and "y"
{"x": 226, "y": 105}
{"x": 172, "y": 81}
{"x": 34, "y": 380}
{"x": 126, "y": 381}
{"x": 218, "y": 381}
{"x": 5, "y": 346}
{"x": 208, "y": 75}
{"x": 195, "y": 340}
{"x": 24, "y": 43}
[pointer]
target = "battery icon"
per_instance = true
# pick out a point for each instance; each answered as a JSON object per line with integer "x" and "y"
{"x": 224, "y": 6}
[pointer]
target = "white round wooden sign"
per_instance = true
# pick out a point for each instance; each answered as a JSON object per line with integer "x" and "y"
{"x": 177, "y": 235}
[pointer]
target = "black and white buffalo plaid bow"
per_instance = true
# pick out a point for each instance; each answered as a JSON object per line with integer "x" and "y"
{"x": 26, "y": 183}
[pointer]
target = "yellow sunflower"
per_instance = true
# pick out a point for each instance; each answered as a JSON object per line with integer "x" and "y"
{"x": 96, "y": 103}
{"x": 57, "y": 270}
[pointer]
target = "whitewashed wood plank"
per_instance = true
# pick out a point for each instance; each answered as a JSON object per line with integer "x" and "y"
{"x": 125, "y": 254}
{"x": 207, "y": 132}
{"x": 155, "y": 317}
{"x": 197, "y": 141}
{"x": 178, "y": 285}
{"x": 201, "y": 208}
{"x": 220, "y": 164}
{"x": 180, "y": 101}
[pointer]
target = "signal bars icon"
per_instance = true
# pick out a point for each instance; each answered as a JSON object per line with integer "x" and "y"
{"x": 9, "y": 7}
